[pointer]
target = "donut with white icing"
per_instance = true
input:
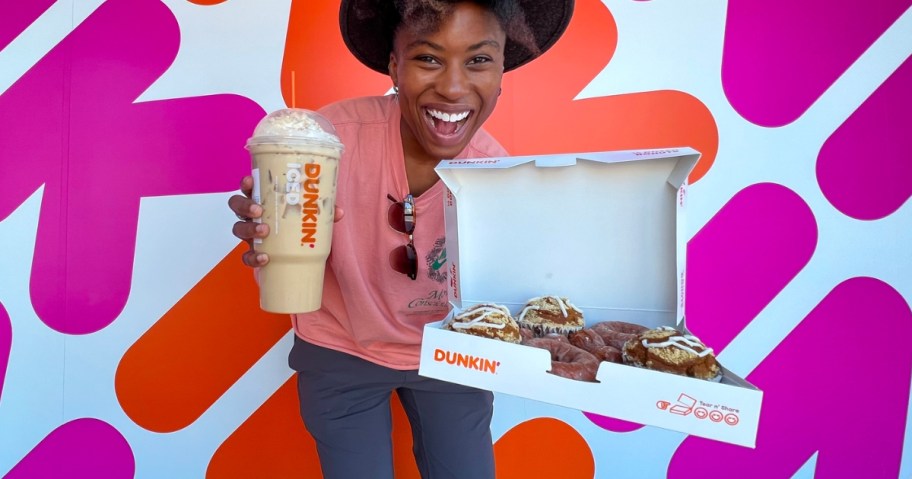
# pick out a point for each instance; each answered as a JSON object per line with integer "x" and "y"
{"x": 668, "y": 350}
{"x": 550, "y": 314}
{"x": 487, "y": 320}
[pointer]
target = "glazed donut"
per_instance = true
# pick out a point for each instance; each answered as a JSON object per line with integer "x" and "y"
{"x": 623, "y": 327}
{"x": 588, "y": 340}
{"x": 556, "y": 336}
{"x": 567, "y": 360}
{"x": 613, "y": 338}
{"x": 525, "y": 335}
{"x": 617, "y": 333}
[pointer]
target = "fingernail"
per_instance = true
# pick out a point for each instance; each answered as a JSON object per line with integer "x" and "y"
{"x": 261, "y": 258}
{"x": 261, "y": 229}
{"x": 256, "y": 210}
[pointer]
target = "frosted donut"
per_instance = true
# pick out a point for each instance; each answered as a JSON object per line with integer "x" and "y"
{"x": 588, "y": 340}
{"x": 567, "y": 360}
{"x": 487, "y": 320}
{"x": 550, "y": 314}
{"x": 668, "y": 350}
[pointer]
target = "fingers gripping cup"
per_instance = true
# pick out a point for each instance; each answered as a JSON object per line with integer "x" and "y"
{"x": 295, "y": 157}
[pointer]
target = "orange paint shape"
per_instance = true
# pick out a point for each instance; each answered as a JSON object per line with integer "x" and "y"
{"x": 537, "y": 113}
{"x": 403, "y": 458}
{"x": 273, "y": 442}
{"x": 325, "y": 70}
{"x": 198, "y": 349}
{"x": 520, "y": 454}
{"x": 543, "y": 117}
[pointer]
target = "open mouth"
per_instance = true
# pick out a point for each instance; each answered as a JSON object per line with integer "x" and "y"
{"x": 447, "y": 124}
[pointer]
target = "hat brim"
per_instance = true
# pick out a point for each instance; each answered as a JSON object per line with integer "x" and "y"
{"x": 367, "y": 29}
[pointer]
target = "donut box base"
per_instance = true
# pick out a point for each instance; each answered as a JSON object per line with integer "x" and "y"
{"x": 605, "y": 230}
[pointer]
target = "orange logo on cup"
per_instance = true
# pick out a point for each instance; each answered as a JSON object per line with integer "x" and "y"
{"x": 466, "y": 361}
{"x": 310, "y": 209}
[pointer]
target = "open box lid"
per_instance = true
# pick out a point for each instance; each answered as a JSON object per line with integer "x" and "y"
{"x": 604, "y": 229}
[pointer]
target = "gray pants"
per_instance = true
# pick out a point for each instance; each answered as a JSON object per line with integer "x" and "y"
{"x": 345, "y": 404}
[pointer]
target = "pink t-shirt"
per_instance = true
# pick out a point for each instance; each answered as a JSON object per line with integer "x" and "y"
{"x": 369, "y": 310}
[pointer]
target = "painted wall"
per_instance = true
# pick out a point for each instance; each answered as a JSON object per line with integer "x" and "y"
{"x": 130, "y": 339}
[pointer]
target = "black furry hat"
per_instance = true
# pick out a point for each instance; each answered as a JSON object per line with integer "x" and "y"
{"x": 368, "y": 26}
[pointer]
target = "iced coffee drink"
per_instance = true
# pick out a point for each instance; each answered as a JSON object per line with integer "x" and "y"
{"x": 295, "y": 156}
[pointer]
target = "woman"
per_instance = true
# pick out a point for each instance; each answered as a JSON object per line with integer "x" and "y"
{"x": 385, "y": 278}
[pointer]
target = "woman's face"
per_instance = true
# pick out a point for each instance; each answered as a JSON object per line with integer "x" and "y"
{"x": 448, "y": 80}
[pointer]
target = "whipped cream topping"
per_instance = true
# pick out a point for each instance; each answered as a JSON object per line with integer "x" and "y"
{"x": 564, "y": 306}
{"x": 295, "y": 124}
{"x": 486, "y": 311}
{"x": 684, "y": 342}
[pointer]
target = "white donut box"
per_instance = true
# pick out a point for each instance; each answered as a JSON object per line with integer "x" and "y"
{"x": 605, "y": 230}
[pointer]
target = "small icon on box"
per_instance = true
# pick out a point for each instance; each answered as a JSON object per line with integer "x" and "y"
{"x": 685, "y": 405}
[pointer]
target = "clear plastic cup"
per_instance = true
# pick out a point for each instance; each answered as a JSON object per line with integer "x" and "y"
{"x": 295, "y": 158}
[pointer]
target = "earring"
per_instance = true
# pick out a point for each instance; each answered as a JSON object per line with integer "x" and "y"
{"x": 395, "y": 89}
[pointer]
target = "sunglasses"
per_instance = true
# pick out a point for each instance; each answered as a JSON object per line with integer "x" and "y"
{"x": 401, "y": 217}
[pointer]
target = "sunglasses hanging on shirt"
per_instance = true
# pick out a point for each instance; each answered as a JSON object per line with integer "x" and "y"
{"x": 401, "y": 217}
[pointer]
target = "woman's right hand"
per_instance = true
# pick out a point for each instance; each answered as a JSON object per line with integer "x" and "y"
{"x": 246, "y": 229}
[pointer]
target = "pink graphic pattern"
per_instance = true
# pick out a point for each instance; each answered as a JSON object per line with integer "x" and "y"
{"x": 825, "y": 405}
{"x": 91, "y": 132}
{"x": 861, "y": 170}
{"x": 17, "y": 16}
{"x": 745, "y": 256}
{"x": 779, "y": 58}
{"x": 824, "y": 392}
{"x": 780, "y": 55}
{"x": 738, "y": 262}
{"x": 6, "y": 343}
{"x": 611, "y": 423}
{"x": 81, "y": 448}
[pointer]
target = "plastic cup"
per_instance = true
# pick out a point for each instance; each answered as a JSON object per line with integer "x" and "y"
{"x": 295, "y": 158}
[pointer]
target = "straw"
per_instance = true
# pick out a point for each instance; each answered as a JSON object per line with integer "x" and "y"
{"x": 293, "y": 85}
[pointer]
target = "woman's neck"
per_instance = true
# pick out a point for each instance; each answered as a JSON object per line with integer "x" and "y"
{"x": 419, "y": 165}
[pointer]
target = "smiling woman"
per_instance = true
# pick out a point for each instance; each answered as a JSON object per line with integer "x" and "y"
{"x": 446, "y": 61}
{"x": 448, "y": 81}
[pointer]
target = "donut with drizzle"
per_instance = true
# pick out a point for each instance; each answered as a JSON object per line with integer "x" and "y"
{"x": 487, "y": 320}
{"x": 669, "y": 350}
{"x": 550, "y": 314}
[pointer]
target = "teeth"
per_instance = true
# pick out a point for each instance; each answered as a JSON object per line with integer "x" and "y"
{"x": 448, "y": 117}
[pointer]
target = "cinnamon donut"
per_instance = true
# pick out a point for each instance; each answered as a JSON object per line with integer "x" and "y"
{"x": 487, "y": 320}
{"x": 668, "y": 350}
{"x": 588, "y": 340}
{"x": 567, "y": 360}
{"x": 550, "y": 314}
